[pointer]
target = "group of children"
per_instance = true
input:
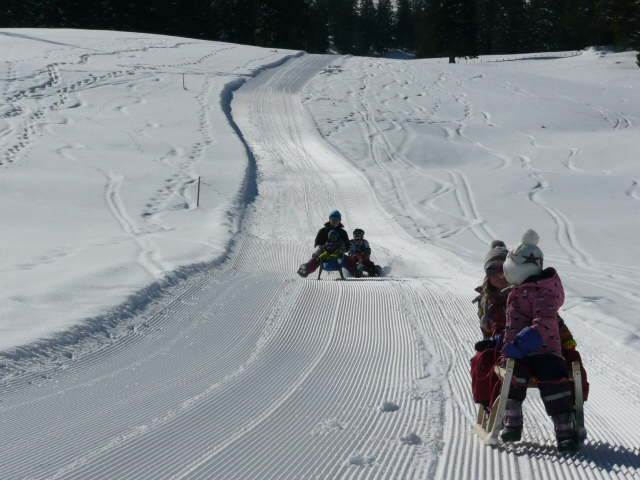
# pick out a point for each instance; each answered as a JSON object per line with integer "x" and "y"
{"x": 518, "y": 305}
{"x": 332, "y": 243}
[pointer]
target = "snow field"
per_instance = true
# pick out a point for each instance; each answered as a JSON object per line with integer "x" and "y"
{"x": 101, "y": 153}
{"x": 463, "y": 154}
{"x": 244, "y": 370}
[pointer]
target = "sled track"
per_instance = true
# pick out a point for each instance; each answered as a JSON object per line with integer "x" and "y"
{"x": 251, "y": 372}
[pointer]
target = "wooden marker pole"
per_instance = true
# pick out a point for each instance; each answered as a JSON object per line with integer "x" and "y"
{"x": 198, "y": 201}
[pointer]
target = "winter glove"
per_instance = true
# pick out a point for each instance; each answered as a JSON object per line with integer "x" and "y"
{"x": 328, "y": 257}
{"x": 485, "y": 344}
{"x": 494, "y": 342}
{"x": 526, "y": 342}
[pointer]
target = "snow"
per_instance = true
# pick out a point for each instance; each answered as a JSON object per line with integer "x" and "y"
{"x": 191, "y": 349}
{"x": 101, "y": 153}
{"x": 464, "y": 154}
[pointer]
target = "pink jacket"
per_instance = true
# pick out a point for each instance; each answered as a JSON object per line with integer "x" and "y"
{"x": 535, "y": 304}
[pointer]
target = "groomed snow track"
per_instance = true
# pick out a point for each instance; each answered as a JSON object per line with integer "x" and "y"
{"x": 251, "y": 372}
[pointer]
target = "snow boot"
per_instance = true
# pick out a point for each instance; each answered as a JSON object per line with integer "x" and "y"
{"x": 566, "y": 434}
{"x": 359, "y": 270}
{"x": 302, "y": 271}
{"x": 568, "y": 445}
{"x": 512, "y": 422}
{"x": 378, "y": 271}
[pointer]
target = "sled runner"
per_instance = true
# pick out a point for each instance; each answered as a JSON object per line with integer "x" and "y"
{"x": 489, "y": 424}
{"x": 332, "y": 266}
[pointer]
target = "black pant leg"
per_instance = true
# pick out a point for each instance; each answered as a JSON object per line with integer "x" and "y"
{"x": 557, "y": 397}
{"x": 521, "y": 377}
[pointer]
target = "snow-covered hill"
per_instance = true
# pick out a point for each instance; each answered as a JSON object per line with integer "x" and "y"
{"x": 236, "y": 367}
{"x": 101, "y": 148}
{"x": 460, "y": 155}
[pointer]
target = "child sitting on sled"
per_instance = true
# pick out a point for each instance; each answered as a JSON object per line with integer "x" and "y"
{"x": 333, "y": 225}
{"x": 331, "y": 251}
{"x": 360, "y": 251}
{"x": 532, "y": 338}
{"x": 492, "y": 304}
{"x": 492, "y": 311}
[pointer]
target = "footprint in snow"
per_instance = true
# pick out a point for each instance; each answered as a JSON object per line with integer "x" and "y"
{"x": 326, "y": 427}
{"x": 411, "y": 439}
{"x": 389, "y": 407}
{"x": 360, "y": 460}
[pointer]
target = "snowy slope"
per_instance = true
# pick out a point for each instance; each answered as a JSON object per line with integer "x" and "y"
{"x": 244, "y": 370}
{"x": 101, "y": 149}
{"x": 463, "y": 154}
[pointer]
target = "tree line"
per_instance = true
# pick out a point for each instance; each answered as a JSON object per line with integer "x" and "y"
{"x": 429, "y": 28}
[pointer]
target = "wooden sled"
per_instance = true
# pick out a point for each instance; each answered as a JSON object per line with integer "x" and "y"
{"x": 488, "y": 425}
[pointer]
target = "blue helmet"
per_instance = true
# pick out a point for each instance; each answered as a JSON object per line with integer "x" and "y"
{"x": 333, "y": 235}
{"x": 335, "y": 213}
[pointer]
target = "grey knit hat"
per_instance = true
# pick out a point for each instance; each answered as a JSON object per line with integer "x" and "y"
{"x": 498, "y": 253}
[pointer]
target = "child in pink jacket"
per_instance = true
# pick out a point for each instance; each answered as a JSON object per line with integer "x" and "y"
{"x": 532, "y": 337}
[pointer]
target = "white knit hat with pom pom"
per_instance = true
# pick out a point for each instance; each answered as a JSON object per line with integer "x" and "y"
{"x": 524, "y": 260}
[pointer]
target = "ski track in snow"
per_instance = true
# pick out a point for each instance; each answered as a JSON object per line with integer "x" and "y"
{"x": 250, "y": 372}
{"x": 91, "y": 115}
{"x": 447, "y": 214}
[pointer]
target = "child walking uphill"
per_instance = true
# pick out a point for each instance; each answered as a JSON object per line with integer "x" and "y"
{"x": 532, "y": 337}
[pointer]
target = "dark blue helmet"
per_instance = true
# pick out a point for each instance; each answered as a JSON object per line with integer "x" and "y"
{"x": 333, "y": 236}
{"x": 336, "y": 214}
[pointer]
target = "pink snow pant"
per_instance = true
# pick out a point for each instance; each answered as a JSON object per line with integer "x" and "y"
{"x": 313, "y": 264}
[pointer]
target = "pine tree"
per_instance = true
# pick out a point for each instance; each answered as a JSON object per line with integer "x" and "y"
{"x": 367, "y": 31}
{"x": 634, "y": 40}
{"x": 316, "y": 26}
{"x": 577, "y": 22}
{"x": 487, "y": 16}
{"x": 343, "y": 24}
{"x": 509, "y": 26}
{"x": 451, "y": 30}
{"x": 279, "y": 24}
{"x": 405, "y": 33}
{"x": 599, "y": 31}
{"x": 385, "y": 22}
{"x": 421, "y": 27}
{"x": 11, "y": 14}
{"x": 233, "y": 21}
{"x": 624, "y": 21}
{"x": 544, "y": 27}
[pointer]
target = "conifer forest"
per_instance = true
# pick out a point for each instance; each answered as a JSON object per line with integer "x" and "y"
{"x": 428, "y": 28}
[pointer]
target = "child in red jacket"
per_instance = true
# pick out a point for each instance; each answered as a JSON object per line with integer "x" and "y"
{"x": 492, "y": 303}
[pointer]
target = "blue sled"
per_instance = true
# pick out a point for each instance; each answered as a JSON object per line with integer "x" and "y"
{"x": 332, "y": 266}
